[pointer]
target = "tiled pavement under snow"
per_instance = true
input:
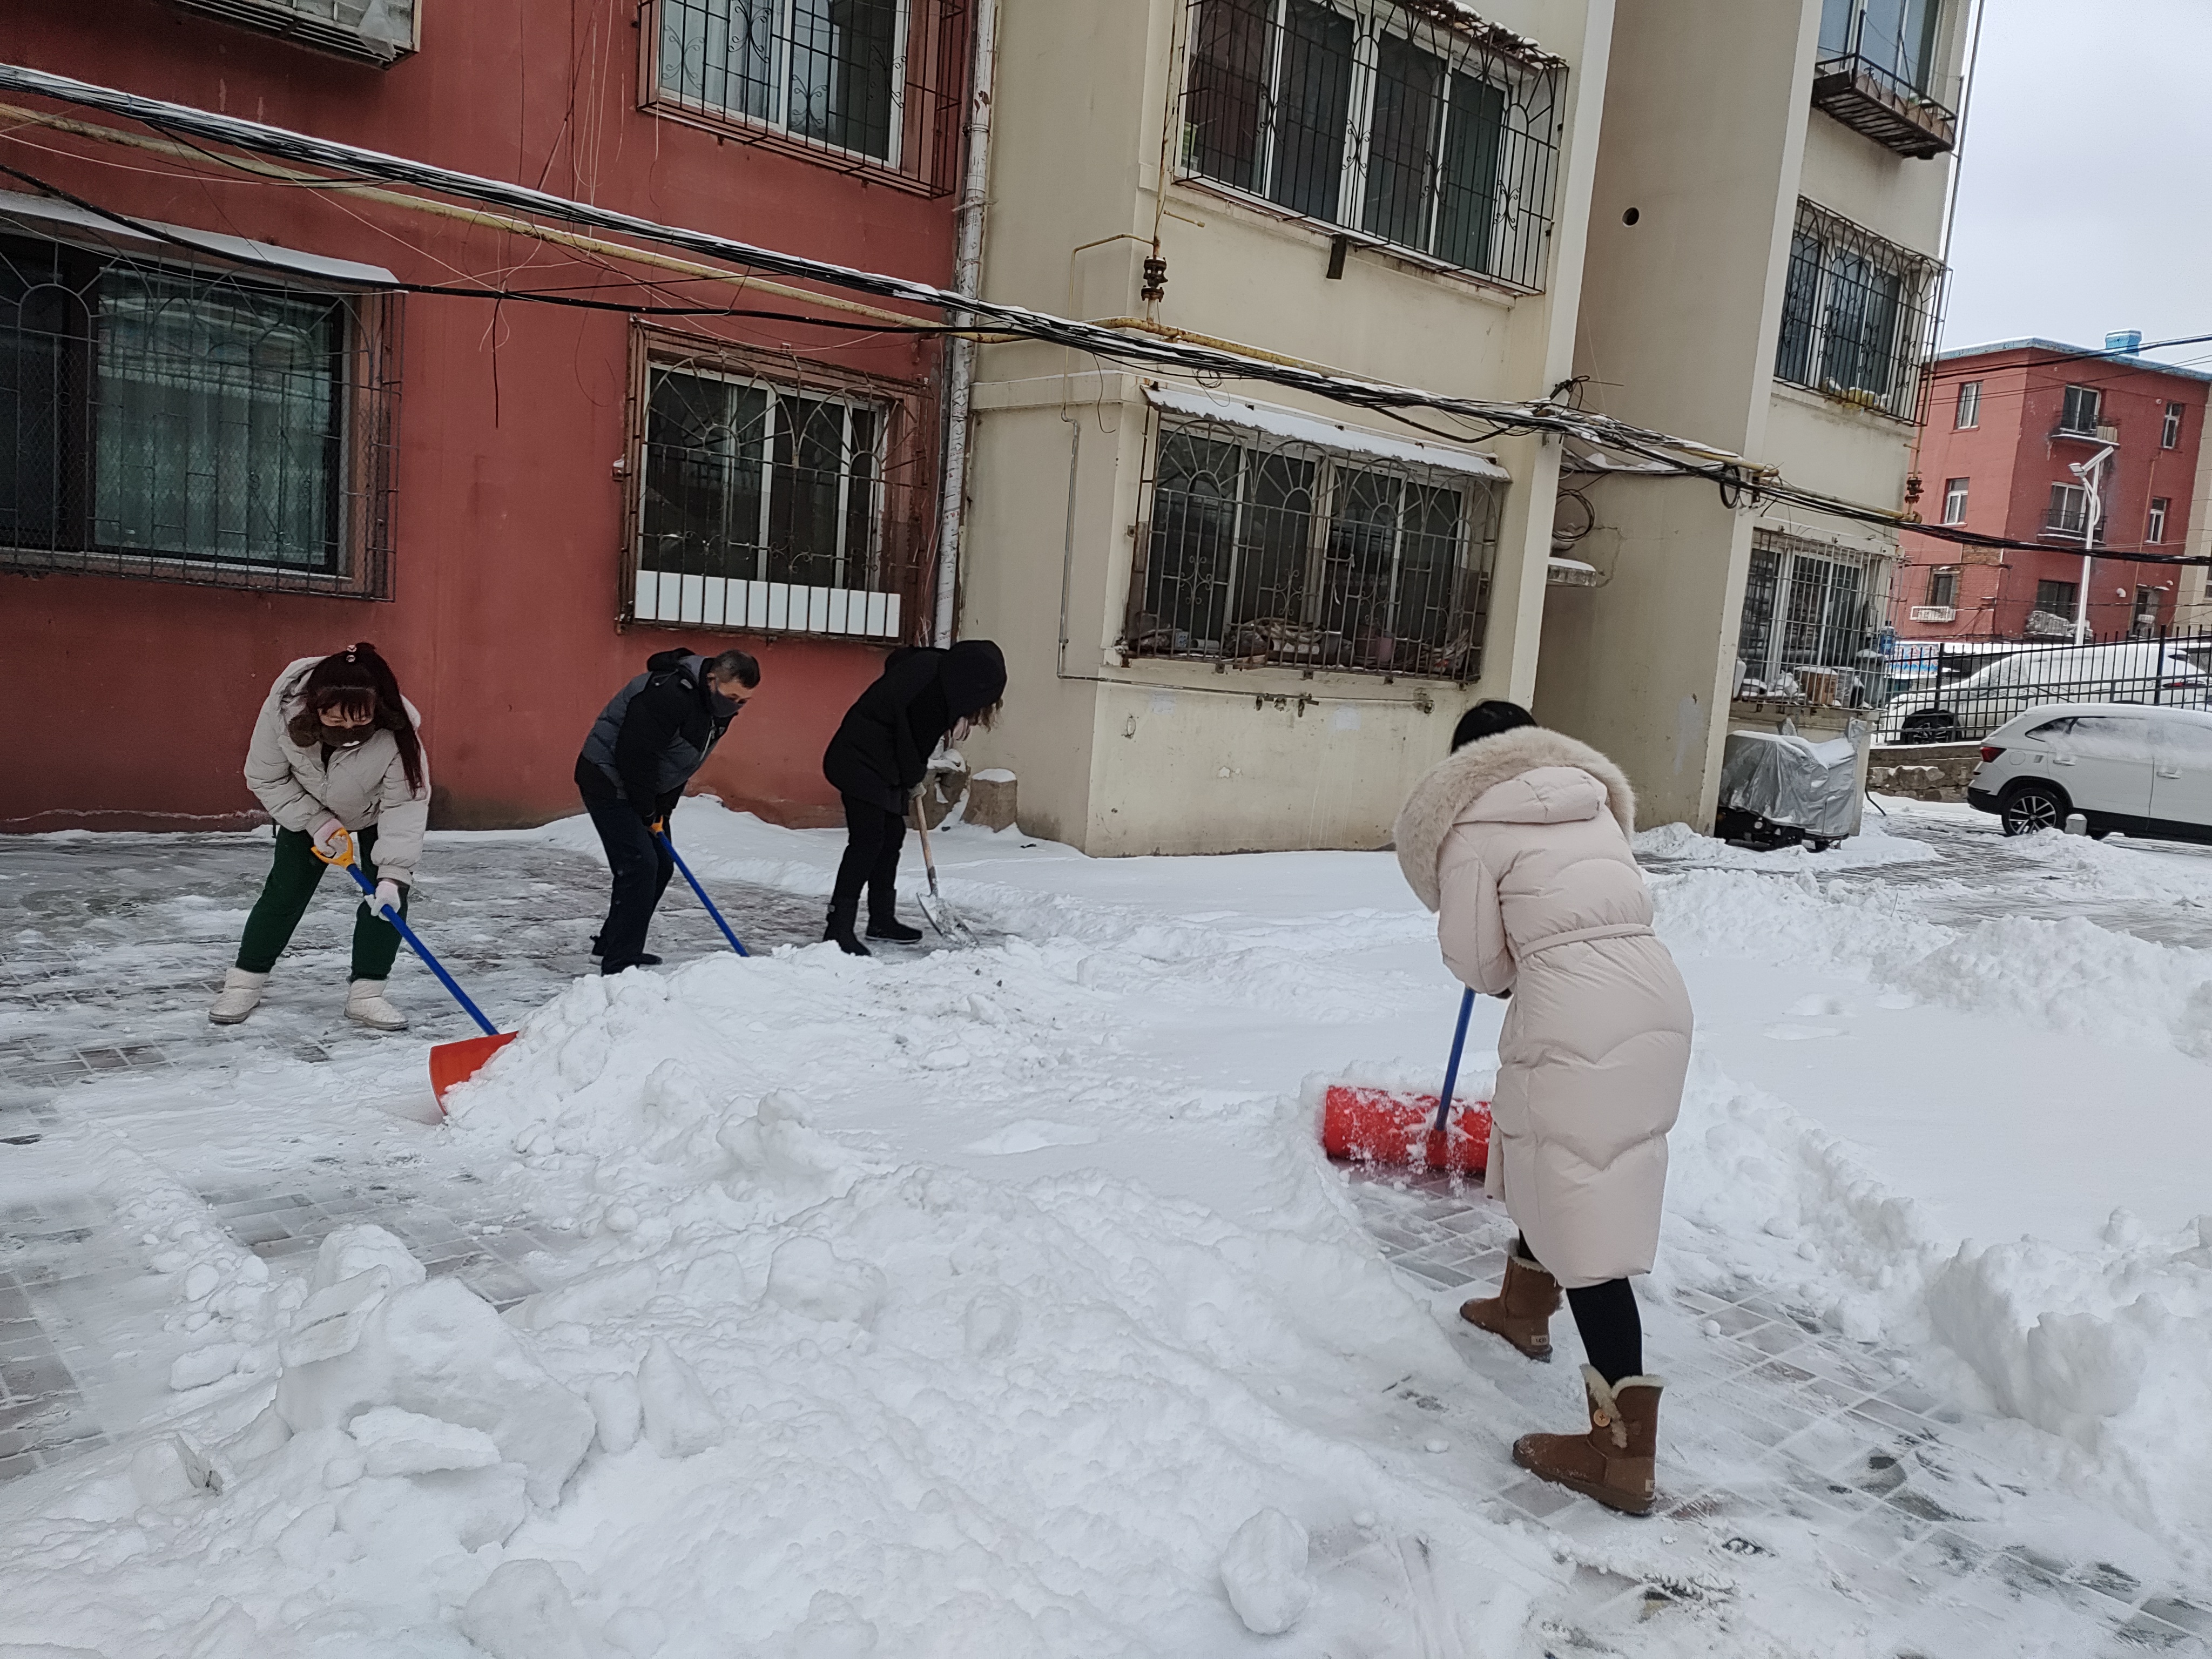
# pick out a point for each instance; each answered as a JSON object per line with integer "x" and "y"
{"x": 1776, "y": 1430}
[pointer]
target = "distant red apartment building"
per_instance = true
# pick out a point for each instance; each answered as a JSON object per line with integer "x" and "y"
{"x": 243, "y": 433}
{"x": 2006, "y": 425}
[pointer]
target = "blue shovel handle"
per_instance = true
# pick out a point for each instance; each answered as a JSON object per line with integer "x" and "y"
{"x": 1452, "y": 1071}
{"x": 368, "y": 891}
{"x": 669, "y": 848}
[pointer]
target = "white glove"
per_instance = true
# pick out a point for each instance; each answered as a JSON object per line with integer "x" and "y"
{"x": 331, "y": 837}
{"x": 387, "y": 898}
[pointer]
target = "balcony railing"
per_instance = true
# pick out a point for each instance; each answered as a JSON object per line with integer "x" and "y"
{"x": 2105, "y": 432}
{"x": 1871, "y": 99}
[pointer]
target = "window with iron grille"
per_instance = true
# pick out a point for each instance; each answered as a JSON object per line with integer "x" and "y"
{"x": 2057, "y": 599}
{"x": 1811, "y": 608}
{"x": 2155, "y": 530}
{"x": 1970, "y": 405}
{"x": 189, "y": 425}
{"x": 1440, "y": 137}
{"x": 871, "y": 84}
{"x": 2079, "y": 417}
{"x": 1955, "y": 501}
{"x": 1857, "y": 315}
{"x": 772, "y": 505}
{"x": 1261, "y": 550}
{"x": 1943, "y": 587}
{"x": 2068, "y": 514}
{"x": 2170, "y": 436}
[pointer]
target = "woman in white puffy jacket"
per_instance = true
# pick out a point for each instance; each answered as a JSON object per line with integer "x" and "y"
{"x": 335, "y": 753}
{"x": 1520, "y": 840}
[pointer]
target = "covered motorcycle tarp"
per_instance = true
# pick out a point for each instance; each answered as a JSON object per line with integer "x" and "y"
{"x": 1791, "y": 781}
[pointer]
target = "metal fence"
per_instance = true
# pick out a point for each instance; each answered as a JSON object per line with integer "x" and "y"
{"x": 194, "y": 425}
{"x": 778, "y": 497}
{"x": 1858, "y": 314}
{"x": 1412, "y": 125}
{"x": 1258, "y": 552}
{"x": 1939, "y": 691}
{"x": 872, "y": 84}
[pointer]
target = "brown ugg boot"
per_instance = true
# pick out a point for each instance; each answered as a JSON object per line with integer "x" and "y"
{"x": 1614, "y": 1461}
{"x": 1522, "y": 1310}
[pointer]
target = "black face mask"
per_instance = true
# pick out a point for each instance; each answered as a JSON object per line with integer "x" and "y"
{"x": 722, "y": 707}
{"x": 346, "y": 736}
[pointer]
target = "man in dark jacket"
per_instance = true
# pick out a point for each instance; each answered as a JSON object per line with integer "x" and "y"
{"x": 877, "y": 760}
{"x": 647, "y": 743}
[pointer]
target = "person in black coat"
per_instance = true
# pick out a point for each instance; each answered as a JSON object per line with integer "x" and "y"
{"x": 652, "y": 736}
{"x": 877, "y": 760}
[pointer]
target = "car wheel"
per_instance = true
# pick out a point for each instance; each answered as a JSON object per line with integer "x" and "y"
{"x": 1930, "y": 726}
{"x": 2033, "y": 806}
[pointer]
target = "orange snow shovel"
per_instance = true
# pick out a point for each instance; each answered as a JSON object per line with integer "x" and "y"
{"x": 450, "y": 1063}
{"x": 1381, "y": 1126}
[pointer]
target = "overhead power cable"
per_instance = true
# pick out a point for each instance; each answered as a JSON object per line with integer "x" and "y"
{"x": 1740, "y": 481}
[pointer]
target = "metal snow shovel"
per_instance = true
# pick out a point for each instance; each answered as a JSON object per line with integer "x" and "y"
{"x": 933, "y": 905}
{"x": 1381, "y": 1126}
{"x": 450, "y": 1063}
{"x": 669, "y": 848}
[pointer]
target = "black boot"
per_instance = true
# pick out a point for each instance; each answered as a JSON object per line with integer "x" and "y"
{"x": 883, "y": 914}
{"x": 648, "y": 960}
{"x": 840, "y": 930}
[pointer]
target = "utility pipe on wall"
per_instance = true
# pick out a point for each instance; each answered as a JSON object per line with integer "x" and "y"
{"x": 968, "y": 282}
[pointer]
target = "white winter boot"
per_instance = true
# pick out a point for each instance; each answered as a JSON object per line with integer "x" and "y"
{"x": 364, "y": 1003}
{"x": 240, "y": 996}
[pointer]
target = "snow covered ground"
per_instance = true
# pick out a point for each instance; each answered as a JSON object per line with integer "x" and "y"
{"x": 998, "y": 1303}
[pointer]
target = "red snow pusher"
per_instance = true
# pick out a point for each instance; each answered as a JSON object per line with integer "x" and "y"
{"x": 1383, "y": 1125}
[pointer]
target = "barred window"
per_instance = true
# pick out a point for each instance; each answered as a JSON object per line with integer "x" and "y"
{"x": 1433, "y": 137}
{"x": 769, "y": 506}
{"x": 1809, "y": 608}
{"x": 866, "y": 83}
{"x": 1263, "y": 551}
{"x": 1857, "y": 315}
{"x": 162, "y": 422}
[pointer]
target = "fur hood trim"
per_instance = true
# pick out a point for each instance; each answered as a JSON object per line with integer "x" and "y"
{"x": 1456, "y": 783}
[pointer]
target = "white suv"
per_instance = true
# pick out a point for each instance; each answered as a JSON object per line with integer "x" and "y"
{"x": 2141, "y": 770}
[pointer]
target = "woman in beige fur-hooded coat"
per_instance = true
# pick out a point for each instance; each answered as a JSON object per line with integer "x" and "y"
{"x": 1519, "y": 841}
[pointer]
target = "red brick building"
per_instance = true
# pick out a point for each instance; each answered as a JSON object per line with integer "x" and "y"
{"x": 226, "y": 441}
{"x": 2005, "y": 425}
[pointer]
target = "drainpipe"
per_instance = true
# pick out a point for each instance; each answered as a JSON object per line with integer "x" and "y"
{"x": 968, "y": 282}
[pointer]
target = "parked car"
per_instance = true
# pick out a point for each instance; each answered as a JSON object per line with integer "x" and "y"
{"x": 2141, "y": 671}
{"x": 2141, "y": 770}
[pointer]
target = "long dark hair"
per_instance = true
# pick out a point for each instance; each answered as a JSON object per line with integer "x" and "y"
{"x": 357, "y": 682}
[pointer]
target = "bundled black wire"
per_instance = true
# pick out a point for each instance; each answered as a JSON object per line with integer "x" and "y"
{"x": 1740, "y": 481}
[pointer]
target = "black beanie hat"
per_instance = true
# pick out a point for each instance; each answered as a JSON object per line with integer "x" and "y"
{"x": 975, "y": 676}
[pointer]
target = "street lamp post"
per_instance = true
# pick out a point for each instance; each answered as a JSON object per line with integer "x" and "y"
{"x": 2091, "y": 473}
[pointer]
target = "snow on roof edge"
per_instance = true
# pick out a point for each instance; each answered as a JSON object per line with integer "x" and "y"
{"x": 1319, "y": 430}
{"x": 2035, "y": 342}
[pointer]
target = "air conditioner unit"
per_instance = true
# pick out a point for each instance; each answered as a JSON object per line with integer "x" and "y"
{"x": 1935, "y": 613}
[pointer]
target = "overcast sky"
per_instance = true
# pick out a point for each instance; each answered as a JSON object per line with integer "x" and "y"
{"x": 2085, "y": 200}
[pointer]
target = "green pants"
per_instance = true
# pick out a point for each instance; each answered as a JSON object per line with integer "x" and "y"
{"x": 292, "y": 882}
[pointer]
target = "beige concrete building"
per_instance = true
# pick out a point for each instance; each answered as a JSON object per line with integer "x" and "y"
{"x": 1237, "y": 617}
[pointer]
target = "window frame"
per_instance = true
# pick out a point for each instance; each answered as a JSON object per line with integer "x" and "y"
{"x": 2053, "y": 586}
{"x": 1955, "y": 500}
{"x": 1808, "y": 344}
{"x": 1523, "y": 168}
{"x": 927, "y": 94}
{"x": 902, "y": 518}
{"x": 1334, "y": 473}
{"x": 1968, "y": 414}
{"x": 2154, "y": 524}
{"x": 360, "y": 445}
{"x": 2073, "y": 523}
{"x": 1782, "y": 570}
{"x": 2169, "y": 436}
{"x": 2075, "y": 396}
{"x": 1943, "y": 587}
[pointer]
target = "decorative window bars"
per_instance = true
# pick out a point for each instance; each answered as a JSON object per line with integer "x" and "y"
{"x": 1858, "y": 315}
{"x": 772, "y": 499}
{"x": 857, "y": 84}
{"x": 1810, "y": 621}
{"x": 1413, "y": 125}
{"x": 194, "y": 425}
{"x": 1260, "y": 551}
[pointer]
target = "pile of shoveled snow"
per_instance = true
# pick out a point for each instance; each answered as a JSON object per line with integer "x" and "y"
{"x": 1871, "y": 848}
